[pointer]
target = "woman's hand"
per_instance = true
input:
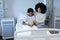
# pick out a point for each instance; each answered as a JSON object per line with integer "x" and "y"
{"x": 34, "y": 22}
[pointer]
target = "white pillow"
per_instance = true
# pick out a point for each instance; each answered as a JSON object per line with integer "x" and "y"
{"x": 21, "y": 17}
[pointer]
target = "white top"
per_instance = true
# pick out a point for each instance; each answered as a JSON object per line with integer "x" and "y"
{"x": 40, "y": 18}
{"x": 29, "y": 19}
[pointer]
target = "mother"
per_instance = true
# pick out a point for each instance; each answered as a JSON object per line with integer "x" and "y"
{"x": 40, "y": 14}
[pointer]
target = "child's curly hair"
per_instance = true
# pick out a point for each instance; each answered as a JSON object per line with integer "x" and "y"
{"x": 41, "y": 6}
{"x": 30, "y": 10}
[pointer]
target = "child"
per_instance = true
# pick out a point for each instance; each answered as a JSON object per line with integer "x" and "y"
{"x": 30, "y": 18}
{"x": 27, "y": 22}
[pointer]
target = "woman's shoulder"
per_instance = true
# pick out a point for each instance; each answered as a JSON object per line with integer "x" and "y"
{"x": 35, "y": 13}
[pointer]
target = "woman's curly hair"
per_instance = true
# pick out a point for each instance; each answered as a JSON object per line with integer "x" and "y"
{"x": 41, "y": 6}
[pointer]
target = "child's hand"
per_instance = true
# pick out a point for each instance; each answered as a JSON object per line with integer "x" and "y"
{"x": 31, "y": 24}
{"x": 24, "y": 23}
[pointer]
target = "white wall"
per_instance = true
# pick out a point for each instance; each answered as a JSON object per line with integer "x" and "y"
{"x": 8, "y": 8}
{"x": 15, "y": 7}
{"x": 23, "y": 5}
{"x": 57, "y": 8}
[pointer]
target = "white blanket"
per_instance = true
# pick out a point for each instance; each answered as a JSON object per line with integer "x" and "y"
{"x": 20, "y": 28}
{"x": 24, "y": 27}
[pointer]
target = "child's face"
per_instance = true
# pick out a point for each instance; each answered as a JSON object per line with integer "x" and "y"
{"x": 30, "y": 13}
{"x": 39, "y": 10}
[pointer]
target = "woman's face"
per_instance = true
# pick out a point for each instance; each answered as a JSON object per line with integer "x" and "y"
{"x": 39, "y": 10}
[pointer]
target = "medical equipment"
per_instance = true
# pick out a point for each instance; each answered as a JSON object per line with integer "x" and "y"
{"x": 37, "y": 34}
{"x": 1, "y": 13}
{"x": 57, "y": 23}
{"x": 7, "y": 25}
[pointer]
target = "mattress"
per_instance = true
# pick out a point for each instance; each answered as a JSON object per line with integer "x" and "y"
{"x": 36, "y": 34}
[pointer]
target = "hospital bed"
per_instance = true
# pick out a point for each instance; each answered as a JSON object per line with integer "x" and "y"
{"x": 37, "y": 34}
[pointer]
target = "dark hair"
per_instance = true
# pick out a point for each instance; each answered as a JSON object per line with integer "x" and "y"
{"x": 42, "y": 6}
{"x": 29, "y": 10}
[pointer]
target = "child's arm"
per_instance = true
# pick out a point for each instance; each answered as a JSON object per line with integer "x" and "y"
{"x": 29, "y": 24}
{"x": 25, "y": 23}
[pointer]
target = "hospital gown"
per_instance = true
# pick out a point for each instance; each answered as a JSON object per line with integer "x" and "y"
{"x": 20, "y": 26}
{"x": 27, "y": 20}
